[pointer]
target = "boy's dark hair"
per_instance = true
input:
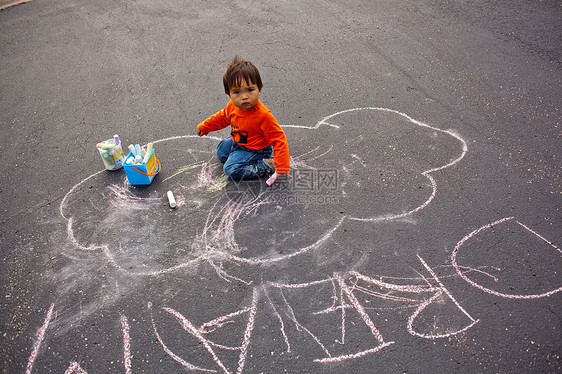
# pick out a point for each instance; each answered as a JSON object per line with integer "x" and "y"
{"x": 239, "y": 70}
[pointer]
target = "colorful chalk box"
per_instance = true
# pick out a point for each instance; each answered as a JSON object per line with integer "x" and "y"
{"x": 141, "y": 174}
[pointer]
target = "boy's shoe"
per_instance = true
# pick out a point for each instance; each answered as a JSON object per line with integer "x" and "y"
{"x": 269, "y": 164}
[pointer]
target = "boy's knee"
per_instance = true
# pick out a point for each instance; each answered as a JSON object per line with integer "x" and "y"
{"x": 223, "y": 150}
{"x": 240, "y": 171}
{"x": 221, "y": 156}
{"x": 236, "y": 171}
{"x": 229, "y": 169}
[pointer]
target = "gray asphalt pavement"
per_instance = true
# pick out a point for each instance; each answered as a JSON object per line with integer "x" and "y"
{"x": 419, "y": 231}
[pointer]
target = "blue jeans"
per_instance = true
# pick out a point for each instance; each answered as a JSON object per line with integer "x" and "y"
{"x": 241, "y": 162}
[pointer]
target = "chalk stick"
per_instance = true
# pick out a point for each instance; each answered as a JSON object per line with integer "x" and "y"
{"x": 116, "y": 138}
{"x": 105, "y": 147}
{"x": 149, "y": 148}
{"x": 171, "y": 200}
{"x": 132, "y": 149}
{"x": 138, "y": 150}
{"x": 272, "y": 179}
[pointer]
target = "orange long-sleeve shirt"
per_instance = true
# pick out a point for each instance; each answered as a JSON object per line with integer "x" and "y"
{"x": 254, "y": 129}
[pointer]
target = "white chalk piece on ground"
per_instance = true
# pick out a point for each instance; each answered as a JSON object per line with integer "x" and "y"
{"x": 171, "y": 200}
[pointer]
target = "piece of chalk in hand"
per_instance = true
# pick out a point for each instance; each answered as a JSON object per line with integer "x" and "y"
{"x": 272, "y": 179}
{"x": 171, "y": 200}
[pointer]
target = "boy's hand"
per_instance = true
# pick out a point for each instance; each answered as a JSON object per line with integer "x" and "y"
{"x": 199, "y": 132}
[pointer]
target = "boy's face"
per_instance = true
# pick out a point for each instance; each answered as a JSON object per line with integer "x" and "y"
{"x": 244, "y": 94}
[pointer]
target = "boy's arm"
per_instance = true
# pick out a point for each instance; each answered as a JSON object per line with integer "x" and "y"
{"x": 215, "y": 122}
{"x": 275, "y": 136}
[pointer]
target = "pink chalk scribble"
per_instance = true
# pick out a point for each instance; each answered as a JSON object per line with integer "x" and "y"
{"x": 126, "y": 344}
{"x": 39, "y": 336}
{"x": 75, "y": 368}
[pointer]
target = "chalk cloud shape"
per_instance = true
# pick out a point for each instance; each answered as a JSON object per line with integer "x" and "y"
{"x": 383, "y": 173}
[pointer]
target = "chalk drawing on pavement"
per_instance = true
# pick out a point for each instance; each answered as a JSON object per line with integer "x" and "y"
{"x": 217, "y": 220}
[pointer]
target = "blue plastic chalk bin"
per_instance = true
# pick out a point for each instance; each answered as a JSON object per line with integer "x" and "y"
{"x": 141, "y": 174}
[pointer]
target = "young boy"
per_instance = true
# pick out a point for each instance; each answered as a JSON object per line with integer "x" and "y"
{"x": 256, "y": 136}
